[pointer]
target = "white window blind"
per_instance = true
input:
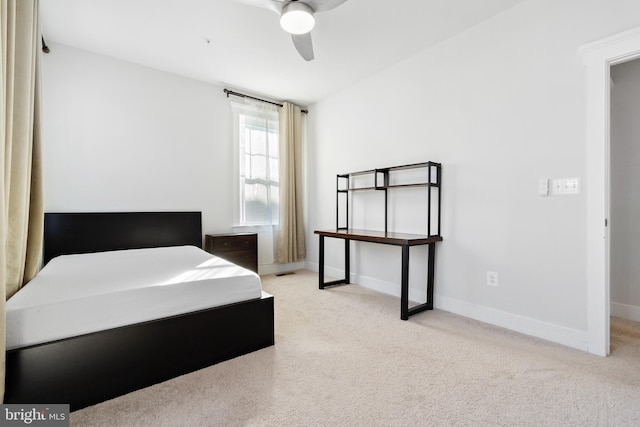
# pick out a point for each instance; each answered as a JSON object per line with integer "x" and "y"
{"x": 257, "y": 157}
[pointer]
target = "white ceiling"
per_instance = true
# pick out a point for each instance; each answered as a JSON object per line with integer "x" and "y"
{"x": 243, "y": 47}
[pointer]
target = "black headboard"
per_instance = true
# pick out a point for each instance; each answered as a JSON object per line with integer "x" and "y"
{"x": 77, "y": 233}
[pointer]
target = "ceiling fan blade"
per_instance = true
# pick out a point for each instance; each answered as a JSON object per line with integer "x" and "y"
{"x": 273, "y": 5}
{"x": 277, "y": 5}
{"x": 323, "y": 5}
{"x": 303, "y": 45}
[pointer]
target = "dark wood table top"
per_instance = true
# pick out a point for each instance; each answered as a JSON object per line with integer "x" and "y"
{"x": 388, "y": 238}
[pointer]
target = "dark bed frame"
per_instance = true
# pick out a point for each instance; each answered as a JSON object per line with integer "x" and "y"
{"x": 95, "y": 367}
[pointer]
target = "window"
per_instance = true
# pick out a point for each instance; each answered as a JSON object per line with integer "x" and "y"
{"x": 256, "y": 146}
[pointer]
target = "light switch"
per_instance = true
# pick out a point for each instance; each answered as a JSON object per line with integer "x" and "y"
{"x": 543, "y": 187}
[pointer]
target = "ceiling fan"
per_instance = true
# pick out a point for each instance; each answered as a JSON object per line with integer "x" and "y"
{"x": 296, "y": 18}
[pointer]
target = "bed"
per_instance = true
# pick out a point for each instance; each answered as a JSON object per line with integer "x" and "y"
{"x": 142, "y": 328}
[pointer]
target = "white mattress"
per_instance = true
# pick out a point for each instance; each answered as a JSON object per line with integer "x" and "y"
{"x": 78, "y": 294}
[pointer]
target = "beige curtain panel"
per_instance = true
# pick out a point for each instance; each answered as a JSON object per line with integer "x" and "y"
{"x": 291, "y": 246}
{"x": 21, "y": 209}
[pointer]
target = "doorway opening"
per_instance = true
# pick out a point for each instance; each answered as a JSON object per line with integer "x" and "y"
{"x": 624, "y": 205}
{"x": 598, "y": 58}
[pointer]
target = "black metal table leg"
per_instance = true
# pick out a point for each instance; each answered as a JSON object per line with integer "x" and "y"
{"x": 321, "y": 264}
{"x": 428, "y": 305}
{"x": 321, "y": 283}
{"x": 404, "y": 287}
{"x": 347, "y": 261}
{"x": 430, "y": 274}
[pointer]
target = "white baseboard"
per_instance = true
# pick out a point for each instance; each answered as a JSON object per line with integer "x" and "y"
{"x": 264, "y": 269}
{"x": 526, "y": 325}
{"x": 548, "y": 331}
{"x": 625, "y": 311}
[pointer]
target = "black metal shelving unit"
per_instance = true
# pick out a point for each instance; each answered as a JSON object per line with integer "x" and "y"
{"x": 381, "y": 181}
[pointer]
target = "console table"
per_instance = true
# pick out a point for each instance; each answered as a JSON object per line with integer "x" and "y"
{"x": 382, "y": 182}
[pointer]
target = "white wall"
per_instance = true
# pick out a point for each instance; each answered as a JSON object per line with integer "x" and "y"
{"x": 119, "y": 136}
{"x": 501, "y": 106}
{"x": 625, "y": 198}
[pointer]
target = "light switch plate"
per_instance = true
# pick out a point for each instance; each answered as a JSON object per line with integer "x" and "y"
{"x": 543, "y": 187}
{"x": 492, "y": 278}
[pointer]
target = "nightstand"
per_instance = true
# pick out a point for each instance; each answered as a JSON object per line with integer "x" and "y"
{"x": 239, "y": 248}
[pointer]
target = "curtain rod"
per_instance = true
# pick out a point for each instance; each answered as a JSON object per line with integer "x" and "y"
{"x": 45, "y": 48}
{"x": 230, "y": 92}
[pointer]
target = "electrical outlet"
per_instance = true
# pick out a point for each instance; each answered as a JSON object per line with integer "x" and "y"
{"x": 492, "y": 278}
{"x": 572, "y": 186}
{"x": 564, "y": 186}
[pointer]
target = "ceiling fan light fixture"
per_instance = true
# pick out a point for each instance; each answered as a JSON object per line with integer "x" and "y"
{"x": 297, "y": 18}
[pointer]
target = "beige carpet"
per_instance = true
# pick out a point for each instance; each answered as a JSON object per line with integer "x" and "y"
{"x": 343, "y": 357}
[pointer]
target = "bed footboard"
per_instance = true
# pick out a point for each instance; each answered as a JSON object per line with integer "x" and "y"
{"x": 92, "y": 368}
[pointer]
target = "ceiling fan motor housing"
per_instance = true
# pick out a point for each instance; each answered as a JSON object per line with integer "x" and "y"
{"x": 297, "y": 18}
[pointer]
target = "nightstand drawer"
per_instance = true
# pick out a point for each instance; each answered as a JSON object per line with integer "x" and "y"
{"x": 233, "y": 243}
{"x": 239, "y": 248}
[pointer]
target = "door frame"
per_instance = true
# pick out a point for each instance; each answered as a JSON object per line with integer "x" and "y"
{"x": 598, "y": 57}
